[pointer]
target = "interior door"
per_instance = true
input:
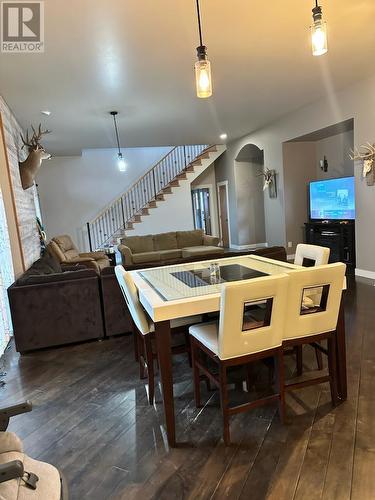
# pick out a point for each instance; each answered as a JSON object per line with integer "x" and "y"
{"x": 201, "y": 209}
{"x": 223, "y": 215}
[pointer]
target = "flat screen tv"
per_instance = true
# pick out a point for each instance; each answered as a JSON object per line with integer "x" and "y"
{"x": 332, "y": 199}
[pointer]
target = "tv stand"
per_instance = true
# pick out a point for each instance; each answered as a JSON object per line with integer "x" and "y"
{"x": 339, "y": 236}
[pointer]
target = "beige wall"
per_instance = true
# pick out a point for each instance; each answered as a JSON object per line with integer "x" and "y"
{"x": 250, "y": 202}
{"x": 355, "y": 102}
{"x": 299, "y": 160}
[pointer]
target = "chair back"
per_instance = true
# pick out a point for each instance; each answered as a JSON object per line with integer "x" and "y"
{"x": 130, "y": 293}
{"x": 320, "y": 316}
{"x": 311, "y": 255}
{"x": 64, "y": 248}
{"x": 251, "y": 315}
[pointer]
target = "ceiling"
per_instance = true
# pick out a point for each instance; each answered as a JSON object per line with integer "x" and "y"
{"x": 137, "y": 57}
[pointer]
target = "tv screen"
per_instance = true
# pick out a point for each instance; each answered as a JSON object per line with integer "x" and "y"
{"x": 332, "y": 199}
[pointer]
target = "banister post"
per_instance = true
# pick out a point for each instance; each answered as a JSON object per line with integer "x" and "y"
{"x": 89, "y": 234}
{"x": 154, "y": 181}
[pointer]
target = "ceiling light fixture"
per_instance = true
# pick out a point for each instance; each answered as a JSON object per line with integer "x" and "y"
{"x": 46, "y": 113}
{"x": 202, "y": 66}
{"x": 318, "y": 32}
{"x": 223, "y": 137}
{"x": 120, "y": 158}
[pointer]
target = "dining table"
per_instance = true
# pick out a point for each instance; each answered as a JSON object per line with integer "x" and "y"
{"x": 190, "y": 289}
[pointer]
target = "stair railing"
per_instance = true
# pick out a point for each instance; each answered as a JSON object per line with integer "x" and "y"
{"x": 126, "y": 208}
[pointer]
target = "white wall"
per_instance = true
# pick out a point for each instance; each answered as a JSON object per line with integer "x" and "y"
{"x": 74, "y": 189}
{"x": 336, "y": 149}
{"x": 355, "y": 102}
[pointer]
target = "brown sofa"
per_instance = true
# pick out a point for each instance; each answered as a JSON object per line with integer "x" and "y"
{"x": 167, "y": 246}
{"x": 64, "y": 251}
{"x": 50, "y": 307}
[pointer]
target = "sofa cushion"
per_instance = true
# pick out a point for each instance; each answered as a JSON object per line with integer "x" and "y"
{"x": 139, "y": 244}
{"x": 189, "y": 238}
{"x": 165, "y": 241}
{"x": 201, "y": 250}
{"x": 139, "y": 258}
{"x": 170, "y": 254}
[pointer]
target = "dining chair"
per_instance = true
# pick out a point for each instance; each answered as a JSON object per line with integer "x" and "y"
{"x": 310, "y": 256}
{"x": 144, "y": 331}
{"x": 241, "y": 337}
{"x": 310, "y": 325}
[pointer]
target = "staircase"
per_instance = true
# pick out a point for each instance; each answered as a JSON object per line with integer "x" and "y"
{"x": 127, "y": 211}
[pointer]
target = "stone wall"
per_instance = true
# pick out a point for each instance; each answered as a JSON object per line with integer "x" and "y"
{"x": 24, "y": 200}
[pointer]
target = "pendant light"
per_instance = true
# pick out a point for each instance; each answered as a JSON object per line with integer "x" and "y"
{"x": 202, "y": 66}
{"x": 318, "y": 32}
{"x": 121, "y": 164}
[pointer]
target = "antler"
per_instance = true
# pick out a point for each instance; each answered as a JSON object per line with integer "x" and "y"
{"x": 369, "y": 153}
{"x": 35, "y": 140}
{"x": 26, "y": 141}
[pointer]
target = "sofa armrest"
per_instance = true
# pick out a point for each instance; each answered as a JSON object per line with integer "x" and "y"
{"x": 11, "y": 411}
{"x": 93, "y": 255}
{"x": 72, "y": 267}
{"x": 210, "y": 240}
{"x": 11, "y": 470}
{"x": 126, "y": 255}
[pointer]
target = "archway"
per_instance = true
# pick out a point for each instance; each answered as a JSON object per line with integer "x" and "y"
{"x": 249, "y": 165}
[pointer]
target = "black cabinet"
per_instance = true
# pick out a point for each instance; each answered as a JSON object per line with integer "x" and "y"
{"x": 338, "y": 236}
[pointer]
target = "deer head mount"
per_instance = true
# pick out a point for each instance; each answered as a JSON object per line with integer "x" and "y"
{"x": 269, "y": 181}
{"x": 37, "y": 153}
{"x": 365, "y": 153}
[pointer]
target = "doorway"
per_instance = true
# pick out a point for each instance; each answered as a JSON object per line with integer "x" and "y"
{"x": 222, "y": 188}
{"x": 201, "y": 209}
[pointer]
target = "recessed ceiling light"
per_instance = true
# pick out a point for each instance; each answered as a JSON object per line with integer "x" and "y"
{"x": 46, "y": 112}
{"x": 223, "y": 137}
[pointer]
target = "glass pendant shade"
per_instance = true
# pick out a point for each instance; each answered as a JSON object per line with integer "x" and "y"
{"x": 121, "y": 163}
{"x": 203, "y": 78}
{"x": 319, "y": 38}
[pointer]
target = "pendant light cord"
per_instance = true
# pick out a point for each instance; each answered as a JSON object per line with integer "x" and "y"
{"x": 199, "y": 23}
{"x": 117, "y": 136}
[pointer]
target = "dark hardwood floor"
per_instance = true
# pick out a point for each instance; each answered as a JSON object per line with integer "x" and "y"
{"x": 91, "y": 419}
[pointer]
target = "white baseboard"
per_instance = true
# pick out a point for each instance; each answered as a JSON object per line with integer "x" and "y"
{"x": 249, "y": 247}
{"x": 365, "y": 274}
{"x": 291, "y": 257}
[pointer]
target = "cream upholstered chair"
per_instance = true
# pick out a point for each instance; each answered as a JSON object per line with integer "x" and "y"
{"x": 250, "y": 328}
{"x": 144, "y": 328}
{"x": 21, "y": 477}
{"x": 309, "y": 256}
{"x": 313, "y": 324}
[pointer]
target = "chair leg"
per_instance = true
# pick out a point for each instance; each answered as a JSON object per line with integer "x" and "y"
{"x": 332, "y": 369}
{"x": 281, "y": 383}
{"x": 248, "y": 376}
{"x": 319, "y": 359}
{"x": 188, "y": 346}
{"x": 141, "y": 355}
{"x": 136, "y": 350}
{"x": 224, "y": 402}
{"x": 150, "y": 369}
{"x": 196, "y": 376}
{"x": 298, "y": 350}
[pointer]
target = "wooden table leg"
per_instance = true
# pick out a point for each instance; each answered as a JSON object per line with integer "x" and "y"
{"x": 341, "y": 355}
{"x": 163, "y": 345}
